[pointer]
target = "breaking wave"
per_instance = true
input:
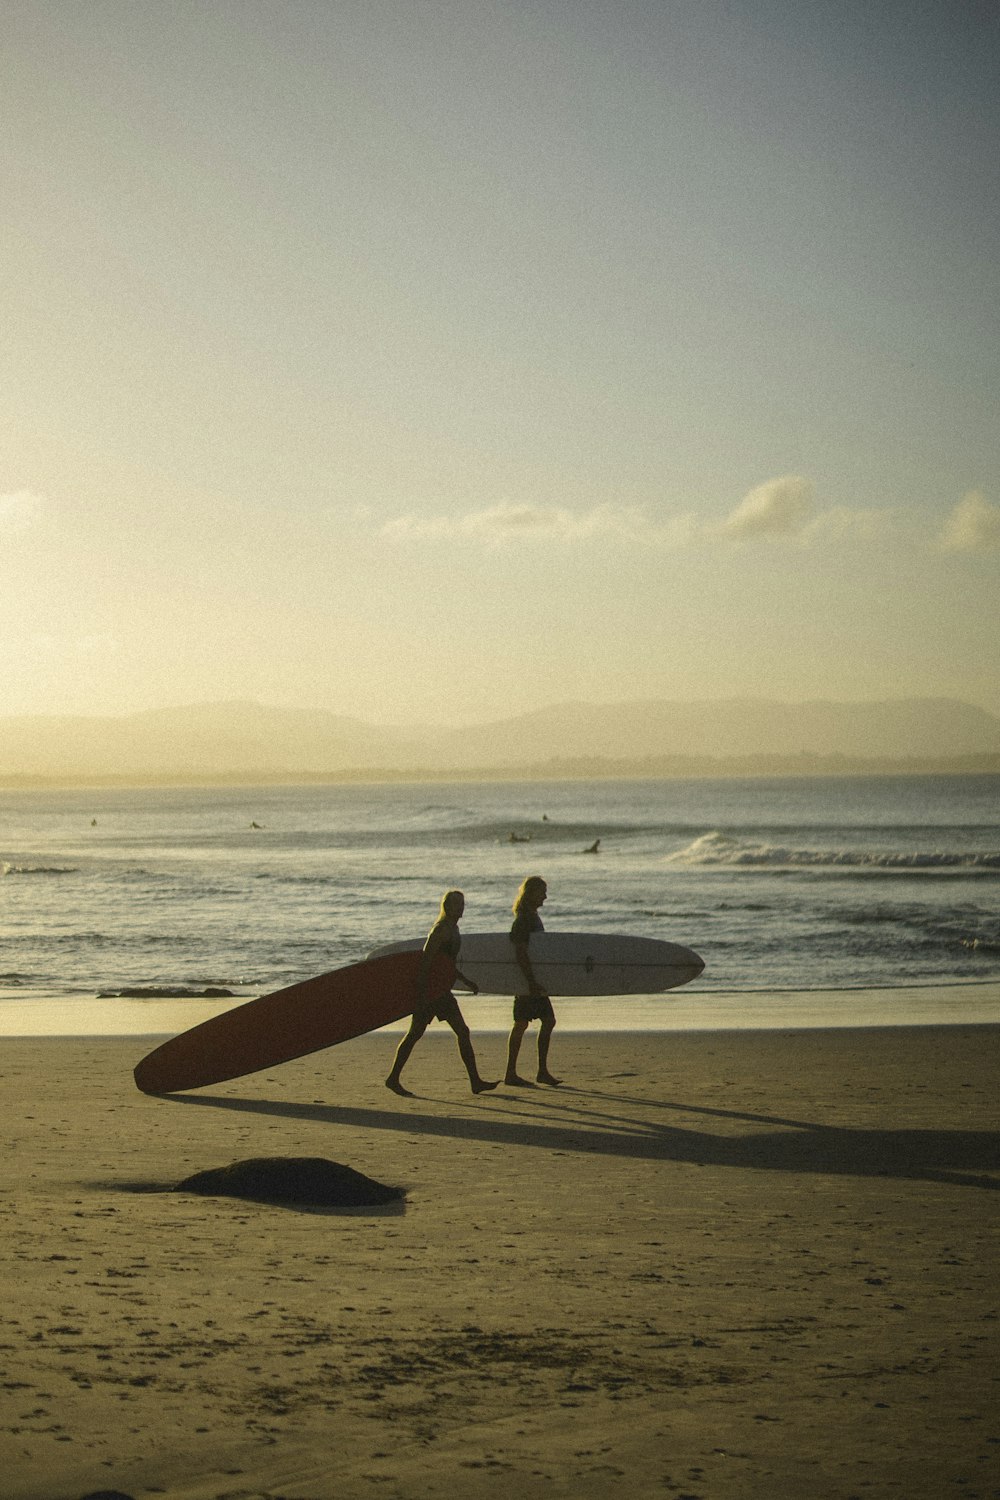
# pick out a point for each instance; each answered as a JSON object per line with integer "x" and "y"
{"x": 9, "y": 869}
{"x": 721, "y": 849}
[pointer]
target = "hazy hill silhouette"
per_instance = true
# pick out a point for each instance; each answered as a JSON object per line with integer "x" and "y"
{"x": 938, "y": 727}
{"x": 243, "y": 740}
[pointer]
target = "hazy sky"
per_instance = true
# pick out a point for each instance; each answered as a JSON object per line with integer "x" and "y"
{"x": 432, "y": 359}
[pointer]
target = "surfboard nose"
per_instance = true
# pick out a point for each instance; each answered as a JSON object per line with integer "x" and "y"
{"x": 697, "y": 963}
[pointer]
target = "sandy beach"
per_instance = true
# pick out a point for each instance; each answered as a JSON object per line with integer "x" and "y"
{"x": 713, "y": 1265}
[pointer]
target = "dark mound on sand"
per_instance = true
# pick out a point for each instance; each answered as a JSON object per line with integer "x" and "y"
{"x": 291, "y": 1179}
{"x": 165, "y": 992}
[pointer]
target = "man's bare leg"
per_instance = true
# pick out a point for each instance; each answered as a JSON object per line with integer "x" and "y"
{"x": 465, "y": 1047}
{"x": 544, "y": 1037}
{"x": 406, "y": 1046}
{"x": 511, "y": 1076}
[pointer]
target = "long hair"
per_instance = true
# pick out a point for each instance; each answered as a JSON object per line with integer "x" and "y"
{"x": 529, "y": 887}
{"x": 448, "y": 900}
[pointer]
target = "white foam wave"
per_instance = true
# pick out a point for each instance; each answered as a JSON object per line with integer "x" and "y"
{"x": 721, "y": 849}
{"x": 8, "y": 869}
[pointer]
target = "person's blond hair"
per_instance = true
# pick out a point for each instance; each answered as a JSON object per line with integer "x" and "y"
{"x": 529, "y": 887}
{"x": 448, "y": 899}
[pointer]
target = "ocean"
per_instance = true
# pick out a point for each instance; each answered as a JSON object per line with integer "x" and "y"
{"x": 785, "y": 887}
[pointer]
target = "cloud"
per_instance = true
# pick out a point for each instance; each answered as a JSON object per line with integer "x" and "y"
{"x": 782, "y": 510}
{"x": 509, "y": 522}
{"x": 778, "y": 508}
{"x": 973, "y": 526}
{"x": 19, "y": 509}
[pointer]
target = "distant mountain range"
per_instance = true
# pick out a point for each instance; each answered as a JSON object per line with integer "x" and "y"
{"x": 249, "y": 741}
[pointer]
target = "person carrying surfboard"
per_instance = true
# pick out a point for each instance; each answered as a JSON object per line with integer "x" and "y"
{"x": 535, "y": 1004}
{"x": 444, "y": 937}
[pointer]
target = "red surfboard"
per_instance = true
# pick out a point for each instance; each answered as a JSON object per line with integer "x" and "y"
{"x": 291, "y": 1023}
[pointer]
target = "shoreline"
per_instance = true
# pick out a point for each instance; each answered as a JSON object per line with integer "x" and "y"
{"x": 719, "y": 1264}
{"x": 961, "y": 1003}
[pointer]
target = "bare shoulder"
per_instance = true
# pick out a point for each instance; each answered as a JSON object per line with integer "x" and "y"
{"x": 439, "y": 935}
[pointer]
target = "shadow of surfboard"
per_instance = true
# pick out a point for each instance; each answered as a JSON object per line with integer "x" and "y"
{"x": 965, "y": 1158}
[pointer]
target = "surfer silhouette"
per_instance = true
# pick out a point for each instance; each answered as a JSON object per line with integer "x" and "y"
{"x": 534, "y": 1004}
{"x": 444, "y": 937}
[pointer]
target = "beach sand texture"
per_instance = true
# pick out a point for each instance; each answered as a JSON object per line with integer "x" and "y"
{"x": 712, "y": 1265}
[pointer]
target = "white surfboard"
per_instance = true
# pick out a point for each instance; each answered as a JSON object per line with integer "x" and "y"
{"x": 571, "y": 963}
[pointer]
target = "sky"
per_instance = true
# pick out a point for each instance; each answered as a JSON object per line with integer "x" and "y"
{"x": 440, "y": 361}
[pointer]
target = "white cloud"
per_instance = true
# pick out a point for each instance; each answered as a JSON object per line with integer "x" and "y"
{"x": 19, "y": 509}
{"x": 778, "y": 508}
{"x": 782, "y": 509}
{"x": 510, "y": 522}
{"x": 972, "y": 526}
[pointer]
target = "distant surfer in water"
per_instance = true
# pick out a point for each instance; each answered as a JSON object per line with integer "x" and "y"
{"x": 535, "y": 1004}
{"x": 444, "y": 937}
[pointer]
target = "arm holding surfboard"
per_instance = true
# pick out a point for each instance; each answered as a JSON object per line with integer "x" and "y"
{"x": 534, "y": 1005}
{"x": 440, "y": 939}
{"x": 522, "y": 956}
{"x": 444, "y": 937}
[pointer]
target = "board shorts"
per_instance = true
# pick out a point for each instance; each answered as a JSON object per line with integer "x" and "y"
{"x": 533, "y": 1008}
{"x": 443, "y": 1008}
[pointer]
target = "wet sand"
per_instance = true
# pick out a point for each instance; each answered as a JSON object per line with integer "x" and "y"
{"x": 722, "y": 1265}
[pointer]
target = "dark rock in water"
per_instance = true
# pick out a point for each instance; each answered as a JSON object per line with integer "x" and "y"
{"x": 291, "y": 1179}
{"x": 165, "y": 992}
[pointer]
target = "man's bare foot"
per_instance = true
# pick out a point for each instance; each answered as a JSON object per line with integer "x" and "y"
{"x": 482, "y": 1085}
{"x": 397, "y": 1088}
{"x": 547, "y": 1078}
{"x": 514, "y": 1081}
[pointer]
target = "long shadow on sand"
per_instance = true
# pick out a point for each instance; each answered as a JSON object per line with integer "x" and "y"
{"x": 966, "y": 1158}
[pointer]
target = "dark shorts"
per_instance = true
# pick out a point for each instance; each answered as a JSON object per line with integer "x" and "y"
{"x": 443, "y": 1008}
{"x": 533, "y": 1008}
